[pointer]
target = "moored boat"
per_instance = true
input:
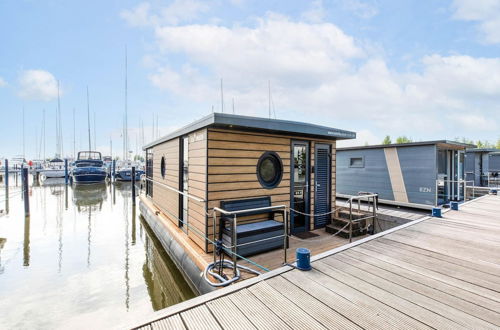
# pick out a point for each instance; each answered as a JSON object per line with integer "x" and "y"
{"x": 54, "y": 169}
{"x": 89, "y": 168}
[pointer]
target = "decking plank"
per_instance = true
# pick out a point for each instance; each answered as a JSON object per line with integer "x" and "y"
{"x": 228, "y": 315}
{"x": 484, "y": 305}
{"x": 172, "y": 323}
{"x": 409, "y": 308}
{"x": 466, "y": 274}
{"x": 420, "y": 295}
{"x": 257, "y": 312}
{"x": 289, "y": 313}
{"x": 485, "y": 267}
{"x": 327, "y": 316}
{"x": 378, "y": 254}
{"x": 199, "y": 318}
{"x": 351, "y": 303}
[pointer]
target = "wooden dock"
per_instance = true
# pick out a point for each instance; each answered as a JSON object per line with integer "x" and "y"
{"x": 441, "y": 273}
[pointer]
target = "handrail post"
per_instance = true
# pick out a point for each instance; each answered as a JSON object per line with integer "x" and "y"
{"x": 214, "y": 224}
{"x": 235, "y": 237}
{"x": 350, "y": 220}
{"x": 285, "y": 234}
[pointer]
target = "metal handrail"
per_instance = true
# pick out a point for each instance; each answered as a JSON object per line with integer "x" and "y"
{"x": 235, "y": 236}
{"x": 368, "y": 197}
{"x": 200, "y": 200}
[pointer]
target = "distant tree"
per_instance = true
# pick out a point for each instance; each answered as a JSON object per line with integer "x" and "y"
{"x": 387, "y": 140}
{"x": 498, "y": 144}
{"x": 138, "y": 158}
{"x": 403, "y": 139}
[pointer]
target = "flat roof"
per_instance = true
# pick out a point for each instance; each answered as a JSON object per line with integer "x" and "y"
{"x": 440, "y": 143}
{"x": 483, "y": 150}
{"x": 277, "y": 126}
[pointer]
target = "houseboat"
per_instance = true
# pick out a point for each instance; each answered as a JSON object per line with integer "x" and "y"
{"x": 482, "y": 166}
{"x": 246, "y": 165}
{"x": 419, "y": 174}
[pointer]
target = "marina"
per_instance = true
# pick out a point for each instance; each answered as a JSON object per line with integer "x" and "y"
{"x": 198, "y": 165}
{"x": 85, "y": 253}
{"x": 418, "y": 275}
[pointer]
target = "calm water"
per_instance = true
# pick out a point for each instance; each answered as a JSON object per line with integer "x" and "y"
{"x": 84, "y": 259}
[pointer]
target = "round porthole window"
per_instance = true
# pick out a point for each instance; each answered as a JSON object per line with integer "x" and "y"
{"x": 163, "y": 166}
{"x": 269, "y": 170}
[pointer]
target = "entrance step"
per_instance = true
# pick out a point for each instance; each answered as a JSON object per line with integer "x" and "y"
{"x": 355, "y": 214}
{"x": 332, "y": 229}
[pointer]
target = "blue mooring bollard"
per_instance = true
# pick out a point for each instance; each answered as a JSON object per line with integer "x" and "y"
{"x": 303, "y": 259}
{"x": 436, "y": 212}
{"x": 454, "y": 206}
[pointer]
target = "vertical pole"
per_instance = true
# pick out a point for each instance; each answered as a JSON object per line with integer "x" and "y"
{"x": 133, "y": 185}
{"x": 285, "y": 239}
{"x": 350, "y": 221}
{"x": 66, "y": 177}
{"x": 25, "y": 192}
{"x": 114, "y": 170}
{"x": 6, "y": 177}
{"x": 215, "y": 235}
{"x": 235, "y": 237}
{"x": 6, "y": 186}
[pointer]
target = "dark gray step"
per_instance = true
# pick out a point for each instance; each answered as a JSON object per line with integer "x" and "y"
{"x": 355, "y": 214}
{"x": 332, "y": 229}
{"x": 342, "y": 222}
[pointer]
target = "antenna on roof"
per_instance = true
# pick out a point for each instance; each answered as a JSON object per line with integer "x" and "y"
{"x": 269, "y": 87}
{"x": 221, "y": 95}
{"x": 233, "y": 105}
{"x": 212, "y": 109}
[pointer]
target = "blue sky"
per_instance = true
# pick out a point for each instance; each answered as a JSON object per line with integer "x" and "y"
{"x": 424, "y": 69}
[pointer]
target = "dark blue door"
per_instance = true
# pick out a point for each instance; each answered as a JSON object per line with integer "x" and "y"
{"x": 322, "y": 185}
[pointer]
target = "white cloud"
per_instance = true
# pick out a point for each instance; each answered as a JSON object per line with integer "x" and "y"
{"x": 316, "y": 13}
{"x": 362, "y": 137}
{"x": 177, "y": 12}
{"x": 361, "y": 9}
{"x": 3, "y": 83}
{"x": 485, "y": 12}
{"x": 37, "y": 85}
{"x": 317, "y": 70}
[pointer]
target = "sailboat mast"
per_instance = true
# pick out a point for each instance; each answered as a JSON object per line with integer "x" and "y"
{"x": 125, "y": 140}
{"x": 24, "y": 155}
{"x": 95, "y": 139}
{"x": 88, "y": 117}
{"x": 59, "y": 132}
{"x": 43, "y": 121}
{"x": 74, "y": 135}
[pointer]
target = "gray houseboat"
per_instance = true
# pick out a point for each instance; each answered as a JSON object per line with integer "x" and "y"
{"x": 239, "y": 164}
{"x": 482, "y": 165}
{"x": 420, "y": 174}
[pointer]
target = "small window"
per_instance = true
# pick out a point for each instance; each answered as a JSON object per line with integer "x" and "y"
{"x": 163, "y": 166}
{"x": 356, "y": 162}
{"x": 269, "y": 170}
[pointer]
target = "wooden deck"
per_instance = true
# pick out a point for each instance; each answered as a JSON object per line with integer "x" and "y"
{"x": 430, "y": 273}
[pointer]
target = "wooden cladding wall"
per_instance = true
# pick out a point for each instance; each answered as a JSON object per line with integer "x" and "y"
{"x": 232, "y": 167}
{"x": 197, "y": 182}
{"x": 166, "y": 199}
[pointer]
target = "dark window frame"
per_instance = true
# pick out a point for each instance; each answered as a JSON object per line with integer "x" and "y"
{"x": 163, "y": 167}
{"x": 362, "y": 165}
{"x": 275, "y": 159}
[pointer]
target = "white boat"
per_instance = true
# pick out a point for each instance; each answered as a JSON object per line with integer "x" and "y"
{"x": 54, "y": 169}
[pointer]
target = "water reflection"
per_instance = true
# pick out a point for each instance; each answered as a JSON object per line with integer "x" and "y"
{"x": 82, "y": 260}
{"x": 161, "y": 274}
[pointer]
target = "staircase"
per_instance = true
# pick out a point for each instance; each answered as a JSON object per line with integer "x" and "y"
{"x": 341, "y": 219}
